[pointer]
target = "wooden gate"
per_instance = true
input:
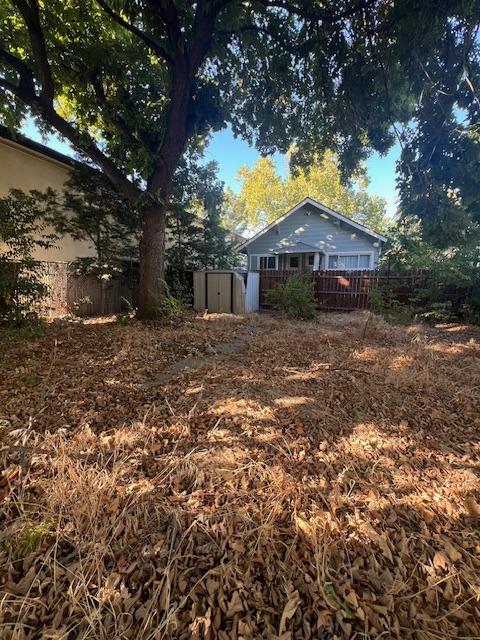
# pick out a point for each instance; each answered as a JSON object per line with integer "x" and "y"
{"x": 219, "y": 292}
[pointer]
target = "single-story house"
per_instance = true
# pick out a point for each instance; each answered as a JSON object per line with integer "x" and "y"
{"x": 312, "y": 236}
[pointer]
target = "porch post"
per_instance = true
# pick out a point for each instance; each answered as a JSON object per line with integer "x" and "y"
{"x": 316, "y": 261}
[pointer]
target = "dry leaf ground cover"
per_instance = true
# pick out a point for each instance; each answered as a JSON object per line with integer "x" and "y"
{"x": 320, "y": 482}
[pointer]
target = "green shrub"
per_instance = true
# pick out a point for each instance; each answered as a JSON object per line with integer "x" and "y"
{"x": 22, "y": 231}
{"x": 452, "y": 274}
{"x": 385, "y": 304}
{"x": 438, "y": 312}
{"x": 294, "y": 298}
{"x": 170, "y": 308}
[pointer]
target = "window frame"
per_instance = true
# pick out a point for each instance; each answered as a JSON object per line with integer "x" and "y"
{"x": 350, "y": 253}
{"x": 265, "y": 255}
{"x": 297, "y": 257}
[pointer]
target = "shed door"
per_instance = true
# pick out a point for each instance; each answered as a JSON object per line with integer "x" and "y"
{"x": 219, "y": 292}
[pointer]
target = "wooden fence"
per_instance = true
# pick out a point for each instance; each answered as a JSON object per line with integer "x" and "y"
{"x": 86, "y": 294}
{"x": 348, "y": 290}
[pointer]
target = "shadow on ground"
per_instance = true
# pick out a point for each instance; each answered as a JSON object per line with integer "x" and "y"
{"x": 320, "y": 482}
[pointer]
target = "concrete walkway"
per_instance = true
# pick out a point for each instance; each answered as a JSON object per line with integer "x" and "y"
{"x": 221, "y": 352}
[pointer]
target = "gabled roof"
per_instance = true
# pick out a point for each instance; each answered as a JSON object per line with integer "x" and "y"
{"x": 321, "y": 207}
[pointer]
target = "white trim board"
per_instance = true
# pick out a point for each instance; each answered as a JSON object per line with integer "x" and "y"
{"x": 321, "y": 207}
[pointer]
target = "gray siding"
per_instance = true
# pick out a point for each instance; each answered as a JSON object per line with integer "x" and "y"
{"x": 314, "y": 228}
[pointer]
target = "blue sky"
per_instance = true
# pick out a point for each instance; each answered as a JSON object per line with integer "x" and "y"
{"x": 231, "y": 153}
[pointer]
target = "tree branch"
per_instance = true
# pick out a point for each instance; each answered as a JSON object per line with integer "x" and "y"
{"x": 202, "y": 33}
{"x": 316, "y": 14}
{"x": 169, "y": 16}
{"x": 31, "y": 16}
{"x": 185, "y": 66}
{"x": 112, "y": 113}
{"x": 25, "y": 92}
{"x": 9, "y": 86}
{"x": 27, "y": 83}
{"x": 84, "y": 142}
{"x": 155, "y": 46}
{"x": 281, "y": 42}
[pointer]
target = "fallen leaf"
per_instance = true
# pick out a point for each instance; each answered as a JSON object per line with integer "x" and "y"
{"x": 473, "y": 507}
{"x": 235, "y": 605}
{"x": 440, "y": 561}
{"x": 352, "y": 599}
{"x": 289, "y": 611}
{"x": 452, "y": 552}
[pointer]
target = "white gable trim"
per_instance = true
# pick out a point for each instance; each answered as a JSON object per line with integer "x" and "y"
{"x": 321, "y": 207}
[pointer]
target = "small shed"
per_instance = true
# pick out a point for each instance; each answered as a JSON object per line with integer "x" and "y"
{"x": 225, "y": 291}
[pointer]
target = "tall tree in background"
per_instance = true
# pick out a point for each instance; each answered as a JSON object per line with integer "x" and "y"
{"x": 197, "y": 239}
{"x": 90, "y": 210}
{"x": 216, "y": 249}
{"x": 265, "y": 196}
{"x": 439, "y": 176}
{"x": 439, "y": 167}
{"x": 132, "y": 84}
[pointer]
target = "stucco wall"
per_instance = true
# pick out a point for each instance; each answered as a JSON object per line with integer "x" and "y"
{"x": 24, "y": 169}
{"x": 317, "y": 229}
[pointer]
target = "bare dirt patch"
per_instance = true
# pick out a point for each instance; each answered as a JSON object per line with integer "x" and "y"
{"x": 322, "y": 481}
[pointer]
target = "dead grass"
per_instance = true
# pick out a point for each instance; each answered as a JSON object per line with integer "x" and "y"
{"x": 323, "y": 482}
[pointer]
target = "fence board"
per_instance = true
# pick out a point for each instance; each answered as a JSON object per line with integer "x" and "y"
{"x": 343, "y": 290}
{"x": 54, "y": 275}
{"x": 348, "y": 290}
{"x": 270, "y": 279}
{"x": 85, "y": 294}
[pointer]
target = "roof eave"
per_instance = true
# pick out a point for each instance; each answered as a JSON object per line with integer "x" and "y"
{"x": 27, "y": 144}
{"x": 317, "y": 205}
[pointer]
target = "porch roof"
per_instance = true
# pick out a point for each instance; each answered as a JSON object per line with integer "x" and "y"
{"x": 299, "y": 247}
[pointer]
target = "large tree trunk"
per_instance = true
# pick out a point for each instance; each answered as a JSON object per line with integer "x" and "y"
{"x": 152, "y": 243}
{"x": 152, "y": 261}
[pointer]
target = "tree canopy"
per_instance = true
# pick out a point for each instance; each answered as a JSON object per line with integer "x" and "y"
{"x": 197, "y": 238}
{"x": 133, "y": 84}
{"x": 89, "y": 209}
{"x": 264, "y": 195}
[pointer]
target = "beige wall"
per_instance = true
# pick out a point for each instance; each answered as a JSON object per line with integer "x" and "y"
{"x": 25, "y": 169}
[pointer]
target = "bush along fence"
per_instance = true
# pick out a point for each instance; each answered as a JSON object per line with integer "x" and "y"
{"x": 365, "y": 289}
{"x": 333, "y": 290}
{"x": 86, "y": 294}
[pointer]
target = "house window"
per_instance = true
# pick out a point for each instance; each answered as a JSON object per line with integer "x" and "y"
{"x": 311, "y": 260}
{"x": 354, "y": 261}
{"x": 268, "y": 262}
{"x": 364, "y": 262}
{"x": 293, "y": 262}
